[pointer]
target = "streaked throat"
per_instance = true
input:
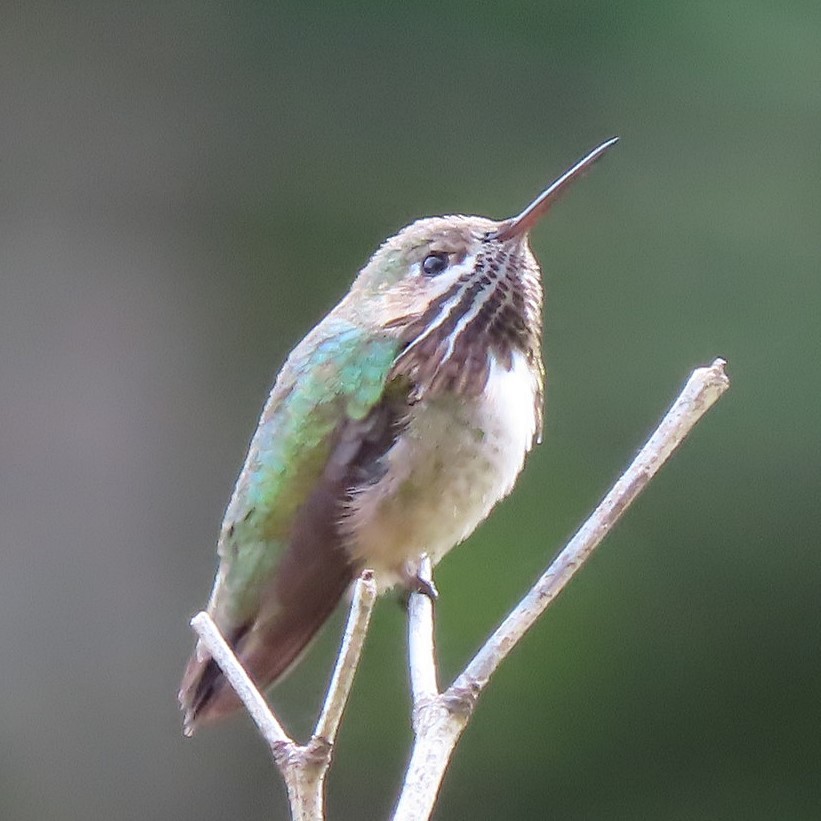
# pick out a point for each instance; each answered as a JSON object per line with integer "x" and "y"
{"x": 493, "y": 309}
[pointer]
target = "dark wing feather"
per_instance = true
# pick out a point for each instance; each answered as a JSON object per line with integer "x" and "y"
{"x": 312, "y": 574}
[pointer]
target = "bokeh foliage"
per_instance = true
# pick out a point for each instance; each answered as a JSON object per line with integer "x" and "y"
{"x": 187, "y": 187}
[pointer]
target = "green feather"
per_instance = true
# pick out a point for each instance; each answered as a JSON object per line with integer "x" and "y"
{"x": 338, "y": 372}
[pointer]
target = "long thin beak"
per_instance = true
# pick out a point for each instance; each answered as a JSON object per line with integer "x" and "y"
{"x": 520, "y": 225}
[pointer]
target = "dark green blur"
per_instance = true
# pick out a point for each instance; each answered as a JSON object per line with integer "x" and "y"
{"x": 186, "y": 188}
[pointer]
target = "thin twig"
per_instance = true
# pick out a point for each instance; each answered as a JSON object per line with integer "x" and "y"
{"x": 702, "y": 390}
{"x": 303, "y": 767}
{"x": 440, "y": 718}
{"x": 254, "y": 702}
{"x": 348, "y": 660}
{"x": 439, "y": 722}
{"x": 421, "y": 651}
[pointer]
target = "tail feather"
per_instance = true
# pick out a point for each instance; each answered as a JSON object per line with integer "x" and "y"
{"x": 306, "y": 590}
{"x": 266, "y": 654}
{"x": 309, "y": 580}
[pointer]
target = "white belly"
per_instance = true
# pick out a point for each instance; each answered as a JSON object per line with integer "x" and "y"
{"x": 455, "y": 460}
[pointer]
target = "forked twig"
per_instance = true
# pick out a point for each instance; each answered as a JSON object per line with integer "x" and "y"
{"x": 441, "y": 717}
{"x": 439, "y": 720}
{"x": 303, "y": 767}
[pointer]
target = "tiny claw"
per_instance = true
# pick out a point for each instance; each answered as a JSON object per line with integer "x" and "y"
{"x": 416, "y": 578}
{"x": 426, "y": 587}
{"x": 419, "y": 579}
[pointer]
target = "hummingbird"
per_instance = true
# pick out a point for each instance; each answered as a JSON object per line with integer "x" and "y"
{"x": 392, "y": 430}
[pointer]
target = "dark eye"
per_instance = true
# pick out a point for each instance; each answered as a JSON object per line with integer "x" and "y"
{"x": 434, "y": 264}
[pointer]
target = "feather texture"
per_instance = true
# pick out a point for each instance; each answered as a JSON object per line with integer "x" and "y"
{"x": 283, "y": 565}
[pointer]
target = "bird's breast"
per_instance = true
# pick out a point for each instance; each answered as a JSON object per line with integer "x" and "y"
{"x": 456, "y": 457}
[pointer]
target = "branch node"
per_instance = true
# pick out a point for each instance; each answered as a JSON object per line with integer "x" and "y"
{"x": 461, "y": 699}
{"x": 421, "y": 711}
{"x": 317, "y": 752}
{"x": 283, "y": 753}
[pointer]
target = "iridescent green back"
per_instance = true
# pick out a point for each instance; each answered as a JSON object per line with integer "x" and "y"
{"x": 337, "y": 373}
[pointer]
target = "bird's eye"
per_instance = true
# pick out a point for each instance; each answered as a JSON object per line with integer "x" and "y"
{"x": 434, "y": 264}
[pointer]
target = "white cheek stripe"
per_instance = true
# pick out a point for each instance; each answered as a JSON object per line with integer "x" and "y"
{"x": 447, "y": 308}
{"x": 482, "y": 297}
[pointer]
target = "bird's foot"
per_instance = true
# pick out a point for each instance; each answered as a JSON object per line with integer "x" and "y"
{"x": 416, "y": 581}
{"x": 426, "y": 587}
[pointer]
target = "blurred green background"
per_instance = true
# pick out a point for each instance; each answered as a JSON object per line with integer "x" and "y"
{"x": 188, "y": 187}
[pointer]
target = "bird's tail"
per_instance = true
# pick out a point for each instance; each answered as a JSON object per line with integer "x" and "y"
{"x": 267, "y": 650}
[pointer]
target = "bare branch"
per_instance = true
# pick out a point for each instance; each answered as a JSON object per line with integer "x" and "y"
{"x": 440, "y": 721}
{"x": 421, "y": 651}
{"x": 440, "y": 718}
{"x": 347, "y": 661}
{"x": 702, "y": 390}
{"x": 303, "y": 768}
{"x": 436, "y": 727}
{"x": 251, "y": 697}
